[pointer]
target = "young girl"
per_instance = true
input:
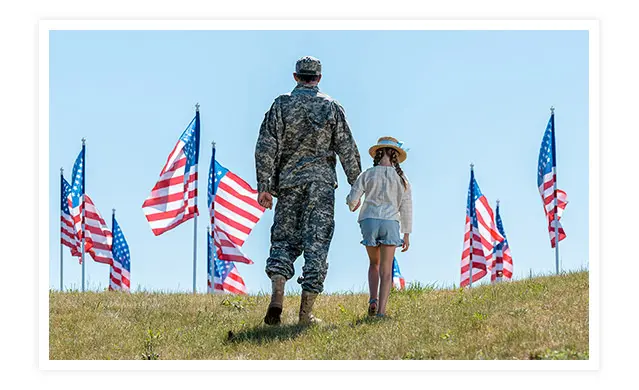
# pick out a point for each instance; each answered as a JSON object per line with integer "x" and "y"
{"x": 387, "y": 209}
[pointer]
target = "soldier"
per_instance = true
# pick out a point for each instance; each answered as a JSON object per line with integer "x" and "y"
{"x": 295, "y": 159}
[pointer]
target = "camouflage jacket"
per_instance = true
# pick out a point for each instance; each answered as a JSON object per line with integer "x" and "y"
{"x": 299, "y": 139}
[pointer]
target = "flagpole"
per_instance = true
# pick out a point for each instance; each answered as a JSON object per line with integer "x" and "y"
{"x": 554, "y": 159}
{"x": 113, "y": 231}
{"x": 208, "y": 260}
{"x": 197, "y": 110}
{"x": 211, "y": 222}
{"x": 62, "y": 199}
{"x": 470, "y": 253}
{"x": 194, "y": 247}
{"x": 495, "y": 263}
{"x": 83, "y": 205}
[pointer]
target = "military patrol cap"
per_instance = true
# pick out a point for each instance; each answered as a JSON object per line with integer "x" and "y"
{"x": 308, "y": 66}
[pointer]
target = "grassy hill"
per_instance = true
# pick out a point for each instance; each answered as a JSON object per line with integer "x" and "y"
{"x": 538, "y": 318}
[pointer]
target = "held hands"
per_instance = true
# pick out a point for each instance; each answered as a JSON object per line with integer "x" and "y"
{"x": 349, "y": 202}
{"x": 406, "y": 244}
{"x": 265, "y": 200}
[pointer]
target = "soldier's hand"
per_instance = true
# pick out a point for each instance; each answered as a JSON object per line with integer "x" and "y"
{"x": 406, "y": 243}
{"x": 265, "y": 200}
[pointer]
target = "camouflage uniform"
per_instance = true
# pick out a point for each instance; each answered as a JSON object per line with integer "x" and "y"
{"x": 295, "y": 158}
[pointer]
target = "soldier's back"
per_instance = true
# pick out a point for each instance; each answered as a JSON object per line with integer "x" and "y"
{"x": 307, "y": 151}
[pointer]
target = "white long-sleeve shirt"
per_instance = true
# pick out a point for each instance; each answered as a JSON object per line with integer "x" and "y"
{"x": 385, "y": 196}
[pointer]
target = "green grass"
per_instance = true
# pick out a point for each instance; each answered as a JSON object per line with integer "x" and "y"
{"x": 540, "y": 318}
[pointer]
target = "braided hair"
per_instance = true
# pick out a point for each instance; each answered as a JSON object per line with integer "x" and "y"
{"x": 393, "y": 155}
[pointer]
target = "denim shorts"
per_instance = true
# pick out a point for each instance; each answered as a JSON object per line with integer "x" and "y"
{"x": 377, "y": 232}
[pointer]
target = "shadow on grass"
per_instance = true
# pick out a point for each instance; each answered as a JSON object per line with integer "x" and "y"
{"x": 366, "y": 319}
{"x": 263, "y": 334}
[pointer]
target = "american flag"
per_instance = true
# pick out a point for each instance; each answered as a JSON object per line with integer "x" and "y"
{"x": 68, "y": 236}
{"x": 480, "y": 221}
{"x": 547, "y": 181}
{"x": 97, "y": 236}
{"x": 502, "y": 266}
{"x": 398, "y": 280}
{"x": 120, "y": 278}
{"x": 76, "y": 195}
{"x": 234, "y": 212}
{"x": 173, "y": 199}
{"x": 223, "y": 275}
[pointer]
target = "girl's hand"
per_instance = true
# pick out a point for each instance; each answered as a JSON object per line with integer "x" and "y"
{"x": 359, "y": 202}
{"x": 406, "y": 244}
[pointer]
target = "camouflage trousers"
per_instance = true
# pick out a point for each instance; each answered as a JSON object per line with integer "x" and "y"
{"x": 303, "y": 223}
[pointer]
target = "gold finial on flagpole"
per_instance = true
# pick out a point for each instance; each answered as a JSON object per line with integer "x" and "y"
{"x": 552, "y": 109}
{"x": 197, "y": 107}
{"x": 83, "y": 140}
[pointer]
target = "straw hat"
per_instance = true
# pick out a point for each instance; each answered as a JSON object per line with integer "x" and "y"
{"x": 389, "y": 142}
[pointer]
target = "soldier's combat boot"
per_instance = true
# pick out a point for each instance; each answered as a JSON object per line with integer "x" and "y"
{"x": 274, "y": 311}
{"x": 306, "y": 307}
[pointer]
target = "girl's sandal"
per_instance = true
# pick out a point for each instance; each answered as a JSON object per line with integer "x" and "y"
{"x": 372, "y": 307}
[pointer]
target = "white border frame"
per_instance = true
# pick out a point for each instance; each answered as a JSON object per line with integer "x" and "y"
{"x": 45, "y": 26}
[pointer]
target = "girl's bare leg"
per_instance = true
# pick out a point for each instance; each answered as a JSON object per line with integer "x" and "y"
{"x": 373, "y": 270}
{"x": 387, "y": 252}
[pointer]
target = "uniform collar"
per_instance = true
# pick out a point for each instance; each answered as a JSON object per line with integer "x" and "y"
{"x": 305, "y": 88}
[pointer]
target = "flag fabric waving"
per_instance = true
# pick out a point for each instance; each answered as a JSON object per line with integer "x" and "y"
{"x": 97, "y": 236}
{"x": 481, "y": 232}
{"x": 223, "y": 275}
{"x": 234, "y": 212}
{"x": 173, "y": 199}
{"x": 502, "y": 267}
{"x": 226, "y": 277}
{"x": 398, "y": 280}
{"x": 120, "y": 278}
{"x": 68, "y": 235}
{"x": 547, "y": 182}
{"x": 76, "y": 195}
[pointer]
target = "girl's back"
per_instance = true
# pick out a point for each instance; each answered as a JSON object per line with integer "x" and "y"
{"x": 383, "y": 190}
{"x": 385, "y": 213}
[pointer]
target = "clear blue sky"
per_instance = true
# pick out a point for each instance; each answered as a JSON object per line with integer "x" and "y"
{"x": 452, "y": 97}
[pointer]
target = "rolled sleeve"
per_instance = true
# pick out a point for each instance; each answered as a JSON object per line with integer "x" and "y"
{"x": 357, "y": 190}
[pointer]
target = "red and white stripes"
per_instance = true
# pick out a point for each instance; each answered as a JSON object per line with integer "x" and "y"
{"x": 236, "y": 212}
{"x": 98, "y": 237}
{"x": 173, "y": 198}
{"x": 547, "y": 192}
{"x": 483, "y": 237}
{"x": 119, "y": 279}
{"x": 479, "y": 261}
{"x": 502, "y": 266}
{"x": 68, "y": 235}
{"x": 233, "y": 283}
